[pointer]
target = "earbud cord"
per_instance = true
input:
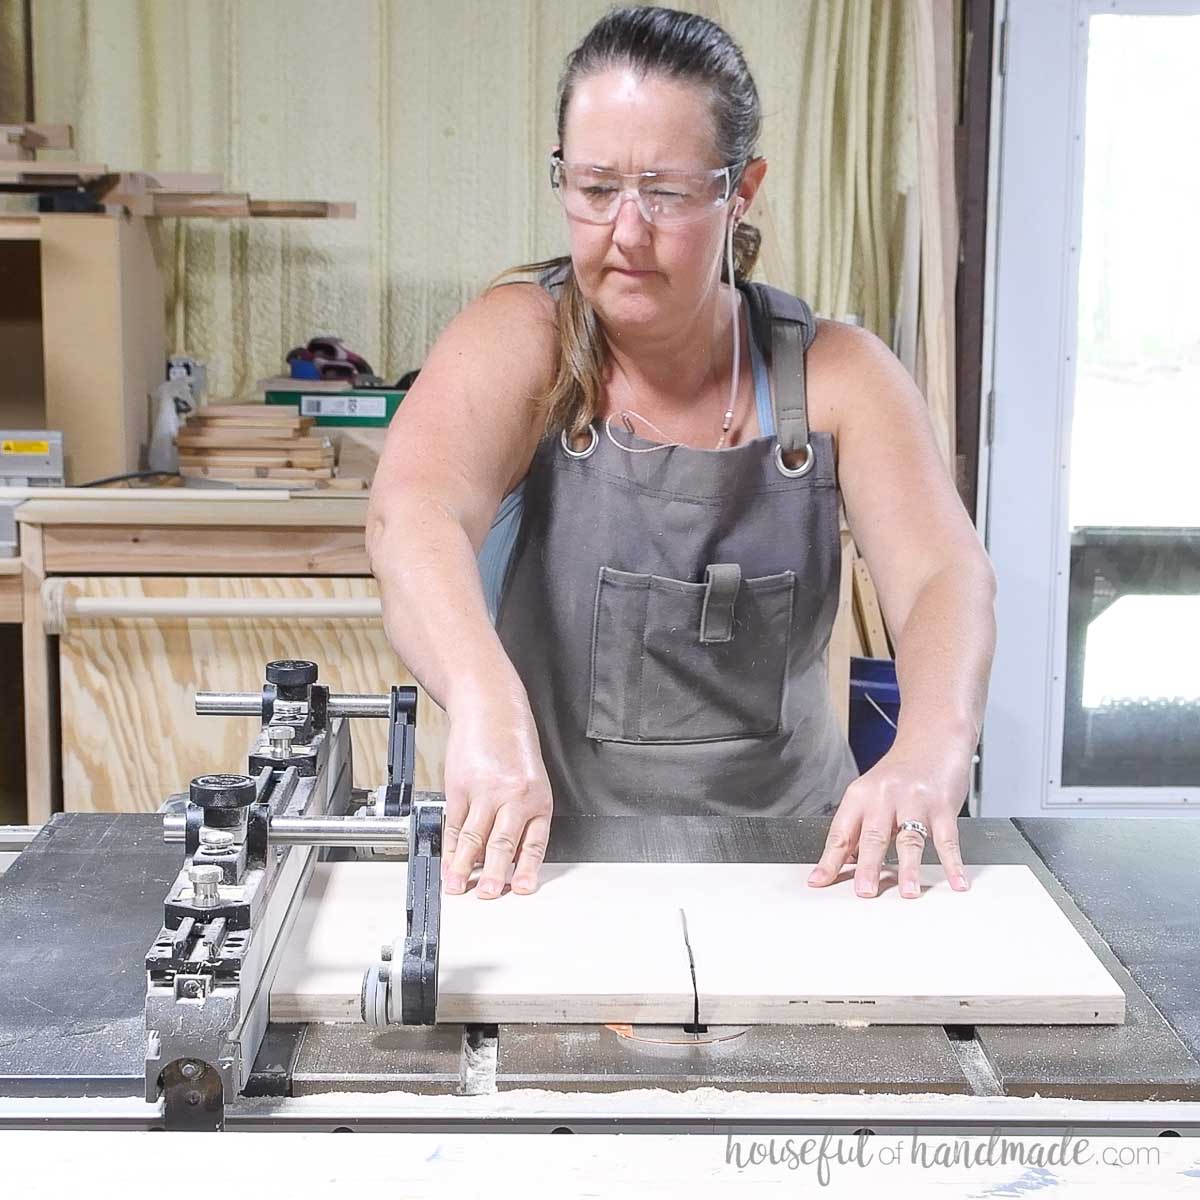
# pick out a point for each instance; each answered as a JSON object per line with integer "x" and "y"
{"x": 727, "y": 422}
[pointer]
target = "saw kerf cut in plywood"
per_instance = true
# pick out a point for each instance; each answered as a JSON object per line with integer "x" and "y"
{"x": 603, "y": 942}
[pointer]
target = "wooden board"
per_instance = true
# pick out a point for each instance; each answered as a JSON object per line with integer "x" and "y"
{"x": 146, "y": 510}
{"x": 256, "y": 458}
{"x": 358, "y": 451}
{"x": 603, "y": 942}
{"x": 260, "y": 411}
{"x": 841, "y": 638}
{"x": 202, "y": 422}
{"x": 13, "y": 782}
{"x": 252, "y": 473}
{"x": 215, "y": 549}
{"x": 39, "y": 684}
{"x": 103, "y": 338}
{"x": 22, "y": 171}
{"x": 11, "y": 593}
{"x": 870, "y": 615}
{"x": 257, "y": 437}
{"x": 130, "y": 733}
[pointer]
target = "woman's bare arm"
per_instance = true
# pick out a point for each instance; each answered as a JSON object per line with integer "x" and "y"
{"x": 461, "y": 440}
{"x": 937, "y": 589}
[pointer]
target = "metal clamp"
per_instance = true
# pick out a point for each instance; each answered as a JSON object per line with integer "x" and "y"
{"x": 402, "y": 987}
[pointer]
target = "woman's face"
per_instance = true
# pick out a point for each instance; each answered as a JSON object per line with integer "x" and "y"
{"x": 636, "y": 275}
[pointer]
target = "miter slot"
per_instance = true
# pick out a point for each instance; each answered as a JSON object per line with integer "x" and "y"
{"x": 973, "y": 1061}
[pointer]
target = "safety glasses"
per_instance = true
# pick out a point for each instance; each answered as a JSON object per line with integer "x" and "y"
{"x": 664, "y": 198}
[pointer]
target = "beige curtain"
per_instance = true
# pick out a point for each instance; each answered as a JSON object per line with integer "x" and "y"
{"x": 435, "y": 117}
{"x": 12, "y": 61}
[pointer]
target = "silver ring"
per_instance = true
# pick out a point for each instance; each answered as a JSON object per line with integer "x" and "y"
{"x": 915, "y": 826}
{"x": 587, "y": 450}
{"x": 795, "y": 472}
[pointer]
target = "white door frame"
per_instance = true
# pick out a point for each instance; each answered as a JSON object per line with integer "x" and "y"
{"x": 1034, "y": 284}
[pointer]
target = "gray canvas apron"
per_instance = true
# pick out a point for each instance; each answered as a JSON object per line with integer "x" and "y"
{"x": 670, "y": 613}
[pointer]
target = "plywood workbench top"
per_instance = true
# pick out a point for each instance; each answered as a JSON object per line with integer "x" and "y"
{"x": 293, "y": 512}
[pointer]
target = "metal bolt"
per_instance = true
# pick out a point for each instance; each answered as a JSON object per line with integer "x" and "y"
{"x": 204, "y": 880}
{"x": 216, "y": 841}
{"x": 189, "y": 1070}
{"x": 385, "y": 953}
{"x": 281, "y": 737}
{"x": 192, "y": 988}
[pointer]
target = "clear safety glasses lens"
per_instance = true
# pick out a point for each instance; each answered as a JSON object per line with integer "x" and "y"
{"x": 595, "y": 196}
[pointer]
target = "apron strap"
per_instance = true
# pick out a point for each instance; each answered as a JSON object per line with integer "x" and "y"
{"x": 785, "y": 327}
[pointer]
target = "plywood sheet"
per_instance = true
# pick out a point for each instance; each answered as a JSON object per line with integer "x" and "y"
{"x": 604, "y": 942}
{"x": 101, "y": 290}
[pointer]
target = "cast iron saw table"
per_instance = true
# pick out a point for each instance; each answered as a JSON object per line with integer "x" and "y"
{"x": 80, "y": 904}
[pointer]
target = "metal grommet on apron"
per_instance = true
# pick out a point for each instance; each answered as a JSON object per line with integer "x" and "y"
{"x": 587, "y": 451}
{"x": 669, "y": 614}
{"x": 795, "y": 472}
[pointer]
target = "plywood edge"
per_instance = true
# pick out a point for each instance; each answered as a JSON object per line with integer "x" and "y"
{"x": 226, "y": 549}
{"x": 20, "y": 229}
{"x": 464, "y": 1009}
{"x": 725, "y": 1010}
{"x": 915, "y": 1010}
{"x": 139, "y": 495}
{"x": 12, "y": 599}
{"x": 349, "y": 511}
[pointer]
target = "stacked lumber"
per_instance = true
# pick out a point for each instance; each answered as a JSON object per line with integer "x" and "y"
{"x": 256, "y": 444}
{"x": 137, "y": 193}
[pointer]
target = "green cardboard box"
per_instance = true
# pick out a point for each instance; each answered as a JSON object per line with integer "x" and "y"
{"x": 370, "y": 407}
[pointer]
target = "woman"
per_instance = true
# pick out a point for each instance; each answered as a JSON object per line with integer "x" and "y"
{"x": 666, "y": 447}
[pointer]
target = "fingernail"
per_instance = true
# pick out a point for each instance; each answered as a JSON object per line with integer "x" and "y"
{"x": 865, "y": 889}
{"x": 455, "y": 883}
{"x": 487, "y": 889}
{"x": 960, "y": 882}
{"x": 909, "y": 889}
{"x": 816, "y": 874}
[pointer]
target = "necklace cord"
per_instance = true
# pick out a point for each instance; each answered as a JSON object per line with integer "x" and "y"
{"x": 727, "y": 421}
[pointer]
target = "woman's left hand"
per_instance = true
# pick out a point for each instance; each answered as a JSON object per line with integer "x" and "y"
{"x": 901, "y": 786}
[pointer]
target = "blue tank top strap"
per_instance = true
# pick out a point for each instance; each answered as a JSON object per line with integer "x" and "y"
{"x": 762, "y": 391}
{"x": 495, "y": 555}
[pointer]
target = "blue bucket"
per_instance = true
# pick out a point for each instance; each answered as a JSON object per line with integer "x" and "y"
{"x": 871, "y": 735}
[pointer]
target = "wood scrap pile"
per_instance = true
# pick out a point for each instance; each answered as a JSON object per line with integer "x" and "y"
{"x": 136, "y": 192}
{"x": 258, "y": 444}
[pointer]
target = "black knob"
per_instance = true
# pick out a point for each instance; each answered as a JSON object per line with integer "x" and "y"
{"x": 292, "y": 672}
{"x": 222, "y": 791}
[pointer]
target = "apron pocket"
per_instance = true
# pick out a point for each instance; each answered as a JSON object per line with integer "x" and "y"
{"x": 667, "y": 667}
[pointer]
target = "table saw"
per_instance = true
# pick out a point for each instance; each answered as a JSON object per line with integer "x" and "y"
{"x": 137, "y": 953}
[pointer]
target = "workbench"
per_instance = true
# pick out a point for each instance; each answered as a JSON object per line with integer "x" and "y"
{"x": 131, "y": 602}
{"x": 81, "y": 903}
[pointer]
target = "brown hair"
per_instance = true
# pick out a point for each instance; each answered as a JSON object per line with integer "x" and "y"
{"x": 653, "y": 41}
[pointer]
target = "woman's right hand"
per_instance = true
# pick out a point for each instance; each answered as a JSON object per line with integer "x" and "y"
{"x": 498, "y": 801}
